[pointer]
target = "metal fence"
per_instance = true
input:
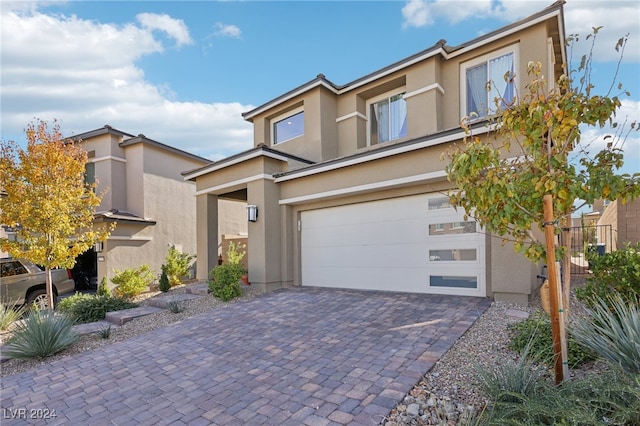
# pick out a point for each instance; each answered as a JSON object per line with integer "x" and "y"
{"x": 588, "y": 238}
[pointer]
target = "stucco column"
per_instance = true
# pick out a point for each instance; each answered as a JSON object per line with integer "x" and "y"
{"x": 264, "y": 236}
{"x": 206, "y": 234}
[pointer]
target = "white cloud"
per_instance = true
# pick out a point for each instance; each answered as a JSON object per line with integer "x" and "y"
{"x": 84, "y": 74}
{"x": 174, "y": 28}
{"x": 226, "y": 30}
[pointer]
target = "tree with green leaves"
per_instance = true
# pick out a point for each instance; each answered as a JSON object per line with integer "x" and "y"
{"x": 538, "y": 150}
{"x": 47, "y": 200}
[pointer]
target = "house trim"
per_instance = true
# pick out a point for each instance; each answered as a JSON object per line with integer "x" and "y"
{"x": 350, "y": 115}
{"x": 364, "y": 188}
{"x": 261, "y": 151}
{"x": 400, "y": 148}
{"x": 106, "y": 158}
{"x": 434, "y": 86}
{"x": 234, "y": 183}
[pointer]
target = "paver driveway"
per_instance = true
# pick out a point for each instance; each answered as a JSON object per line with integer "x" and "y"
{"x": 294, "y": 356}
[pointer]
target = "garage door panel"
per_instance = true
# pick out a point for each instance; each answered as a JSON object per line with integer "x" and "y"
{"x": 387, "y": 245}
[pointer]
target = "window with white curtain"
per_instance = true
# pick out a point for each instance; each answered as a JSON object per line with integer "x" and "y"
{"x": 484, "y": 82}
{"x": 387, "y": 119}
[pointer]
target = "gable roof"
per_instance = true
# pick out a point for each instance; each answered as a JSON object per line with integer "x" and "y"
{"x": 440, "y": 48}
{"x": 129, "y": 139}
{"x": 259, "y": 151}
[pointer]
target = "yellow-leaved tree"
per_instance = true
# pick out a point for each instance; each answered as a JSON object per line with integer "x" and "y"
{"x": 47, "y": 200}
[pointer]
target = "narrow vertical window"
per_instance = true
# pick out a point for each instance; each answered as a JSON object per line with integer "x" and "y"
{"x": 388, "y": 119}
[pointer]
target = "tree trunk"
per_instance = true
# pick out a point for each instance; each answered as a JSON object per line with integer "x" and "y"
{"x": 49, "y": 287}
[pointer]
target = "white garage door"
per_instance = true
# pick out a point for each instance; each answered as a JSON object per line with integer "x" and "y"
{"x": 413, "y": 244}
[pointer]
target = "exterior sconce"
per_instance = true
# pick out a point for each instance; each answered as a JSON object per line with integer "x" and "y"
{"x": 252, "y": 213}
{"x": 98, "y": 247}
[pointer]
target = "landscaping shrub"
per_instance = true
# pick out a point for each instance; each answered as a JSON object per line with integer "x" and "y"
{"x": 225, "y": 281}
{"x": 608, "y": 398}
{"x": 612, "y": 330}
{"x": 66, "y": 304}
{"x": 93, "y": 308}
{"x": 164, "y": 285}
{"x": 42, "y": 334}
{"x": 177, "y": 265}
{"x": 10, "y": 313}
{"x": 618, "y": 271}
{"x": 103, "y": 288}
{"x": 513, "y": 381}
{"x": 536, "y": 332}
{"x": 132, "y": 282}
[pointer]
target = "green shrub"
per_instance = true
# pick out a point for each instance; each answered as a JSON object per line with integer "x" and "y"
{"x": 175, "y": 308}
{"x": 512, "y": 381}
{"x": 177, "y": 265}
{"x": 225, "y": 281}
{"x": 94, "y": 308}
{"x": 164, "y": 285}
{"x": 536, "y": 332}
{"x": 236, "y": 252}
{"x": 66, "y": 304}
{"x": 42, "y": 334}
{"x": 103, "y": 288}
{"x": 105, "y": 332}
{"x": 618, "y": 271}
{"x": 9, "y": 314}
{"x": 132, "y": 282}
{"x": 612, "y": 330}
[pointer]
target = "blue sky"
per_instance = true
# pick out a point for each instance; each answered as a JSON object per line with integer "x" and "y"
{"x": 183, "y": 72}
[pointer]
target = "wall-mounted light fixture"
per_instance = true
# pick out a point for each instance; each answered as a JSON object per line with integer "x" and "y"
{"x": 252, "y": 213}
{"x": 98, "y": 247}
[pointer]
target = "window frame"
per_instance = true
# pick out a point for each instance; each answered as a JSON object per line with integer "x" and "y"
{"x": 376, "y": 99}
{"x": 485, "y": 59}
{"x": 279, "y": 118}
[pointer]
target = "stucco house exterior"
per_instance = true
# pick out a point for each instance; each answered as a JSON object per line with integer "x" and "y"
{"x": 145, "y": 196}
{"x": 348, "y": 181}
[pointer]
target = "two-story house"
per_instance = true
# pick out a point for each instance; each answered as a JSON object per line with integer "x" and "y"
{"x": 348, "y": 183}
{"x": 147, "y": 198}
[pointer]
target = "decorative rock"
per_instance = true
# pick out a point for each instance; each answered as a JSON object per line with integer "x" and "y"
{"x": 413, "y": 410}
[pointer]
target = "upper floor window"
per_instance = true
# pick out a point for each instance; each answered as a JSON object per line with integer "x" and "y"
{"x": 288, "y": 127}
{"x": 387, "y": 118}
{"x": 90, "y": 174}
{"x": 484, "y": 82}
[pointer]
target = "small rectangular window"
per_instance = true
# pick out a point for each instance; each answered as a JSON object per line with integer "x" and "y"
{"x": 457, "y": 255}
{"x": 452, "y": 281}
{"x": 452, "y": 228}
{"x": 288, "y": 128}
{"x": 388, "y": 119}
{"x": 90, "y": 173}
{"x": 438, "y": 203}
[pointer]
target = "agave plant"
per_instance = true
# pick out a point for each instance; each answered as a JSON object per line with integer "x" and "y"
{"x": 42, "y": 334}
{"x": 612, "y": 330}
{"x": 9, "y": 314}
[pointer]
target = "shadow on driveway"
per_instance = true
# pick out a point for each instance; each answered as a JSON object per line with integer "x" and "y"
{"x": 294, "y": 356}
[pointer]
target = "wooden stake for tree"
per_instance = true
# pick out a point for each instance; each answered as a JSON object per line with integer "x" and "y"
{"x": 557, "y": 318}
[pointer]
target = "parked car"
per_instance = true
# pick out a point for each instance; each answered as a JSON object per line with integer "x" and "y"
{"x": 23, "y": 282}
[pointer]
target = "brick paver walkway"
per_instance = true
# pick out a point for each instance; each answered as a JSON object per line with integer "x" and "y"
{"x": 300, "y": 356}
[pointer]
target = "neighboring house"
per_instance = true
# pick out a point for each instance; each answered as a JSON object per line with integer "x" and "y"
{"x": 348, "y": 180}
{"x": 623, "y": 220}
{"x": 145, "y": 196}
